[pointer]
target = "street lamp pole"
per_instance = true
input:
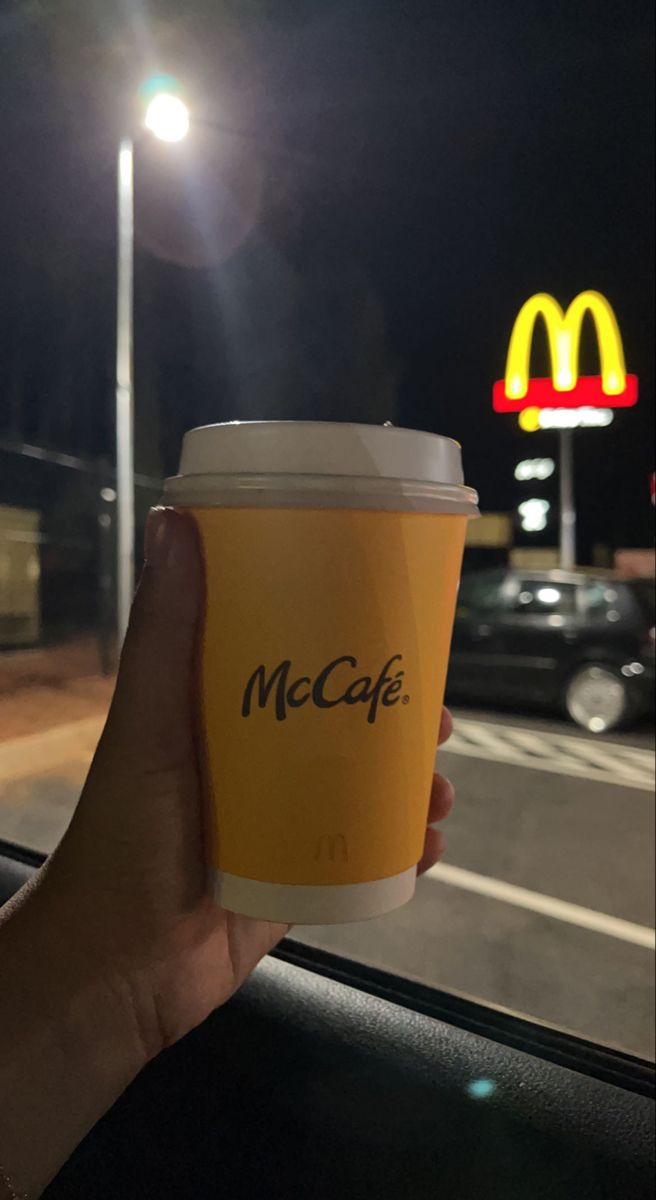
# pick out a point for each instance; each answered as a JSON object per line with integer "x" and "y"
{"x": 124, "y": 386}
{"x": 167, "y": 117}
{"x": 567, "y": 505}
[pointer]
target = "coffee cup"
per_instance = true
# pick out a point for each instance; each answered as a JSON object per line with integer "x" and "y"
{"x": 332, "y": 558}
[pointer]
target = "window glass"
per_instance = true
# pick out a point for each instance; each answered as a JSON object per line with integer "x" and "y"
{"x": 644, "y": 592}
{"x": 480, "y": 593}
{"x": 543, "y": 596}
{"x": 366, "y": 197}
{"x": 605, "y": 600}
{"x": 598, "y": 596}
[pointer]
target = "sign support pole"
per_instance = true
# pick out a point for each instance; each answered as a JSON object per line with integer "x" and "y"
{"x": 567, "y": 506}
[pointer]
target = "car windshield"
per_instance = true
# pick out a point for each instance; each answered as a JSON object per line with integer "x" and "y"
{"x": 373, "y": 218}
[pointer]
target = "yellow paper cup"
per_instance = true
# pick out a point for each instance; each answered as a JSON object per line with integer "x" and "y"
{"x": 332, "y": 556}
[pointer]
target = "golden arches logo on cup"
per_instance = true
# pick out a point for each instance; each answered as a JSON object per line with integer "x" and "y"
{"x": 332, "y": 558}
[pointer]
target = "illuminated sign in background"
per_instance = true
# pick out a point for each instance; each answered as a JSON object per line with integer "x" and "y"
{"x": 533, "y": 419}
{"x": 565, "y": 402}
{"x": 534, "y": 468}
{"x": 534, "y": 514}
{"x": 566, "y": 389}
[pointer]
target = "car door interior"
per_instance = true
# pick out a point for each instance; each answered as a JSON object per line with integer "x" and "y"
{"x": 323, "y": 1078}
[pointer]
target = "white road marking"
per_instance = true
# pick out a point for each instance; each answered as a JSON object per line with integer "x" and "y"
{"x": 527, "y": 741}
{"x": 481, "y": 741}
{"x": 607, "y": 759}
{"x": 548, "y": 906}
{"x": 560, "y": 754}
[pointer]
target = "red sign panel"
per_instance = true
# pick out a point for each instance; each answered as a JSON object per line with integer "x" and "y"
{"x": 586, "y": 393}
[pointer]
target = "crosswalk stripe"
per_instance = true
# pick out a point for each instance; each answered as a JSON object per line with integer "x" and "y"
{"x": 567, "y": 740}
{"x": 636, "y": 757}
{"x": 559, "y": 754}
{"x": 528, "y": 741}
{"x": 468, "y": 735}
{"x": 548, "y": 906}
{"x": 477, "y": 731}
{"x": 597, "y": 756}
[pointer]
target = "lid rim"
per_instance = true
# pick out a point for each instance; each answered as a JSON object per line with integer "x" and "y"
{"x": 326, "y": 449}
{"x": 346, "y": 491}
{"x": 250, "y": 477}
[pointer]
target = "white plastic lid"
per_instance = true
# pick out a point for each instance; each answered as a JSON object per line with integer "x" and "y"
{"x": 320, "y": 448}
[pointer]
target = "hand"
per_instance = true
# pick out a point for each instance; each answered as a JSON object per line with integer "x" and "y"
{"x": 133, "y": 862}
{"x": 117, "y": 948}
{"x": 441, "y": 802}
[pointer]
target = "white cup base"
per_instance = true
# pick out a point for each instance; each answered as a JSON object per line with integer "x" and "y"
{"x": 301, "y": 904}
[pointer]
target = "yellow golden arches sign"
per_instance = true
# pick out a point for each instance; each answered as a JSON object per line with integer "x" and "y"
{"x": 613, "y": 388}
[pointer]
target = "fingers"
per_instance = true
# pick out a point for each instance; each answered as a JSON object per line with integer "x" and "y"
{"x": 441, "y": 799}
{"x": 151, "y": 711}
{"x": 441, "y": 802}
{"x": 433, "y": 850}
{"x": 446, "y": 727}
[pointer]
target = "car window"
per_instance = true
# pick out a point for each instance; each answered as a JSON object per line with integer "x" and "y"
{"x": 597, "y": 596}
{"x": 361, "y": 202}
{"x": 603, "y": 599}
{"x": 644, "y": 593}
{"x": 542, "y": 596}
{"x": 480, "y": 593}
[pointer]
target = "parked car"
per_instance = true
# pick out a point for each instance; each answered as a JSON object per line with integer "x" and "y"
{"x": 580, "y": 641}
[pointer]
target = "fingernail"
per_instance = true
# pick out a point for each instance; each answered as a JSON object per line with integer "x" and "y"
{"x": 159, "y": 542}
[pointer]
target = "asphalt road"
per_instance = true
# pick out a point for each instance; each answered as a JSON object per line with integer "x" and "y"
{"x": 544, "y": 901}
{"x": 568, "y": 818}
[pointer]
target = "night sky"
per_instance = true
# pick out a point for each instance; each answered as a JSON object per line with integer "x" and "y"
{"x": 370, "y": 193}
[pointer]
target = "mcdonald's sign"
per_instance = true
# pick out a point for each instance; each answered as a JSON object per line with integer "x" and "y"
{"x": 612, "y": 388}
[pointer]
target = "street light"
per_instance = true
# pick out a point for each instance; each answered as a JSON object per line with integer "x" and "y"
{"x": 167, "y": 117}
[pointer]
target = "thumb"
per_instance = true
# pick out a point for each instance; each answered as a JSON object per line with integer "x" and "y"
{"x": 151, "y": 714}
